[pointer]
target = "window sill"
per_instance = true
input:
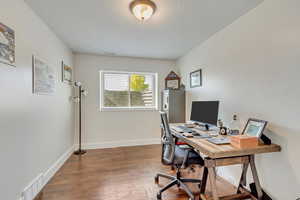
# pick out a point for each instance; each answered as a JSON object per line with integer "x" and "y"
{"x": 118, "y": 109}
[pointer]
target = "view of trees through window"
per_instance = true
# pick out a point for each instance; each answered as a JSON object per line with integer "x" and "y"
{"x": 128, "y": 90}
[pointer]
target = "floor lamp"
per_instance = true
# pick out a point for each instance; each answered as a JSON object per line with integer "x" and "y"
{"x": 81, "y": 92}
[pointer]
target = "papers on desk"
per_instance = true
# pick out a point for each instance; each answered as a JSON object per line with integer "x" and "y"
{"x": 179, "y": 130}
{"x": 189, "y": 135}
{"x": 196, "y": 132}
{"x": 210, "y": 136}
{"x": 207, "y": 134}
{"x": 203, "y": 136}
{"x": 222, "y": 140}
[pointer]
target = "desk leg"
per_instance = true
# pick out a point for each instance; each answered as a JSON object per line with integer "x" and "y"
{"x": 243, "y": 180}
{"x": 255, "y": 178}
{"x": 204, "y": 181}
{"x": 213, "y": 182}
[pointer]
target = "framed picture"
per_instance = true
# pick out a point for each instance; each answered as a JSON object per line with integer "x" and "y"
{"x": 67, "y": 73}
{"x": 172, "y": 81}
{"x": 255, "y": 127}
{"x": 7, "y": 45}
{"x": 43, "y": 77}
{"x": 196, "y": 78}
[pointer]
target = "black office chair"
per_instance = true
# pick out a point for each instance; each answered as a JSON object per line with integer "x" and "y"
{"x": 178, "y": 156}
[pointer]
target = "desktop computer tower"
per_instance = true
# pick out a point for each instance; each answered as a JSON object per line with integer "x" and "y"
{"x": 173, "y": 103}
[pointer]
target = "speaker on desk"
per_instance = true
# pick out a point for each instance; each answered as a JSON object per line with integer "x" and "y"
{"x": 266, "y": 139}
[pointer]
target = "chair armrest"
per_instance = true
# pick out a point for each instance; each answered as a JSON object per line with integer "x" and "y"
{"x": 181, "y": 143}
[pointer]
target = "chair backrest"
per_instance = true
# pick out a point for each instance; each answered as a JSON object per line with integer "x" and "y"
{"x": 168, "y": 142}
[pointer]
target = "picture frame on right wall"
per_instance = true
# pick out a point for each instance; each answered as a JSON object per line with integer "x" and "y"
{"x": 196, "y": 78}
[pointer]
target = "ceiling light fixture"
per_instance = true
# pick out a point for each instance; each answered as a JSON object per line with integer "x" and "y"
{"x": 142, "y": 9}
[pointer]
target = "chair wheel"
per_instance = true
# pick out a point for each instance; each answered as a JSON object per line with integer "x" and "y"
{"x": 158, "y": 196}
{"x": 156, "y": 179}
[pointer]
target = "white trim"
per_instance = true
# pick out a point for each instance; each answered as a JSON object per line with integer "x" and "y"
{"x": 155, "y": 92}
{"x": 129, "y": 109}
{"x": 127, "y": 72}
{"x": 122, "y": 143}
{"x": 50, "y": 172}
{"x": 226, "y": 176}
{"x": 57, "y": 165}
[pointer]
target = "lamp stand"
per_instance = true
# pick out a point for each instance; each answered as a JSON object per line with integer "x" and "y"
{"x": 80, "y": 151}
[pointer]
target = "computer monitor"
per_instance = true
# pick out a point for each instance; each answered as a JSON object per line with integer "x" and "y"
{"x": 205, "y": 112}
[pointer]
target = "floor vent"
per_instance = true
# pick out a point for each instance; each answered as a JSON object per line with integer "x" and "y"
{"x": 33, "y": 189}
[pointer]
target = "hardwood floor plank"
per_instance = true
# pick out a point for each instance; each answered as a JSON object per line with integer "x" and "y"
{"x": 117, "y": 174}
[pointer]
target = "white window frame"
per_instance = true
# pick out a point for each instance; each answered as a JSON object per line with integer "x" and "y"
{"x": 155, "y": 92}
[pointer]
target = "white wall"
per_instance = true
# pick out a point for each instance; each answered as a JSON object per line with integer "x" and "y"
{"x": 35, "y": 130}
{"x": 111, "y": 128}
{"x": 252, "y": 66}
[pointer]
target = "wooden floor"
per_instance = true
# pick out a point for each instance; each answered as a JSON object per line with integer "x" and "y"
{"x": 125, "y": 173}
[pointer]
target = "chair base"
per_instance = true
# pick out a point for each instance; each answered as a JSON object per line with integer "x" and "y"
{"x": 176, "y": 180}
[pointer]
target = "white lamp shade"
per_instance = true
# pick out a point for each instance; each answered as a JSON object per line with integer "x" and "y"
{"x": 143, "y": 12}
{"x": 142, "y": 9}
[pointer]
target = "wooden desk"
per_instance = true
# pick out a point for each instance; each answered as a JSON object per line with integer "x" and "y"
{"x": 224, "y": 155}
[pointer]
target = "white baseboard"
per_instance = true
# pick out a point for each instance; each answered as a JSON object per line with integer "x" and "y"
{"x": 57, "y": 165}
{"x": 228, "y": 177}
{"x": 36, "y": 186}
{"x": 63, "y": 158}
{"x": 122, "y": 143}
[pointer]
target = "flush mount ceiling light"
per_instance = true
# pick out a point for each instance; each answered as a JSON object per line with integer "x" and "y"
{"x": 142, "y": 9}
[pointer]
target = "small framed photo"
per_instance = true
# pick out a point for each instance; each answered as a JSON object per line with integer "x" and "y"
{"x": 67, "y": 73}
{"x": 196, "y": 78}
{"x": 255, "y": 127}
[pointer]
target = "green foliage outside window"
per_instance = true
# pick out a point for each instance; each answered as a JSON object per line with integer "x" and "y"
{"x": 137, "y": 83}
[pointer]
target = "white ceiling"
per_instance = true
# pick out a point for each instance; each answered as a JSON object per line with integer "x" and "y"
{"x": 107, "y": 26}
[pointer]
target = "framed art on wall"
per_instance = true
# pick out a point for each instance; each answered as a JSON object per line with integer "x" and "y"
{"x": 43, "y": 77}
{"x": 196, "y": 78}
{"x": 67, "y": 73}
{"x": 7, "y": 45}
{"x": 172, "y": 81}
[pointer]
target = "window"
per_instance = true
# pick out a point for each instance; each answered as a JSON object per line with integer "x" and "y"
{"x": 128, "y": 91}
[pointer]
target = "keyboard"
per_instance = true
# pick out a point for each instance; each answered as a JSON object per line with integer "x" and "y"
{"x": 185, "y": 129}
{"x": 182, "y": 129}
{"x": 200, "y": 128}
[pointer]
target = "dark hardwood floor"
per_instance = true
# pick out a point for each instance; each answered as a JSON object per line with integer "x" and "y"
{"x": 125, "y": 173}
